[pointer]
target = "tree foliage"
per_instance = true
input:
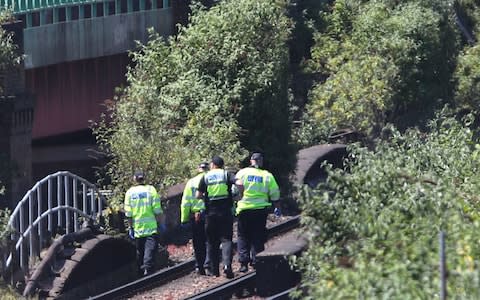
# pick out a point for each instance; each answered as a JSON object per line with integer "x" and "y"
{"x": 467, "y": 73}
{"x": 218, "y": 87}
{"x": 382, "y": 60}
{"x": 375, "y": 228}
{"x": 8, "y": 54}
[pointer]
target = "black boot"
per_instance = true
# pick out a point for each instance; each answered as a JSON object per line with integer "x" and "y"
{"x": 227, "y": 270}
{"x": 200, "y": 271}
{"x": 243, "y": 268}
{"x": 214, "y": 269}
{"x": 208, "y": 272}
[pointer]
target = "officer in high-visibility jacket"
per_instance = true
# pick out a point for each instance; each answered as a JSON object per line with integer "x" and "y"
{"x": 258, "y": 189}
{"x": 215, "y": 188}
{"x": 145, "y": 220}
{"x": 192, "y": 216}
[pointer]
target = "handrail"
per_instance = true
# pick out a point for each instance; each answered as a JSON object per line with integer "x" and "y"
{"x": 69, "y": 196}
{"x": 38, "y": 219}
{"x": 37, "y": 185}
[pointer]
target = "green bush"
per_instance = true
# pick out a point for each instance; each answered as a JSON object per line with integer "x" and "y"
{"x": 374, "y": 228}
{"x": 218, "y": 87}
{"x": 467, "y": 75}
{"x": 381, "y": 60}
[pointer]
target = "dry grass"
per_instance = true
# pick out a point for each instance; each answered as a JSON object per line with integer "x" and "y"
{"x": 8, "y": 293}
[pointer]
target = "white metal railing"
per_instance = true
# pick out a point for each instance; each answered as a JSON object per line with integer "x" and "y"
{"x": 58, "y": 202}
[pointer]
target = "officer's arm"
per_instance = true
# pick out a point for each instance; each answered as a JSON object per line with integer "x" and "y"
{"x": 156, "y": 205}
{"x": 273, "y": 189}
{"x": 239, "y": 184}
{"x": 185, "y": 205}
{"x": 202, "y": 188}
{"x": 274, "y": 195}
{"x": 240, "y": 187}
{"x": 128, "y": 209}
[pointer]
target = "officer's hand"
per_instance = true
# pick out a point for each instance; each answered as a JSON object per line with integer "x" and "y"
{"x": 199, "y": 216}
{"x": 277, "y": 212}
{"x": 131, "y": 233}
{"x": 162, "y": 228}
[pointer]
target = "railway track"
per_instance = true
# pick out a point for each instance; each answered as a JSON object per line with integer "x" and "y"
{"x": 172, "y": 273}
{"x": 225, "y": 290}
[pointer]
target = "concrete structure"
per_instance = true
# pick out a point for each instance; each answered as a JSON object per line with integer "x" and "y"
{"x": 92, "y": 38}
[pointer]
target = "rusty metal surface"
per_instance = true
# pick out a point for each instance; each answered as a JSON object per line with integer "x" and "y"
{"x": 68, "y": 95}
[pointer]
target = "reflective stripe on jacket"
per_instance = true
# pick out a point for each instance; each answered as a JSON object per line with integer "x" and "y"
{"x": 190, "y": 204}
{"x": 259, "y": 188}
{"x": 141, "y": 204}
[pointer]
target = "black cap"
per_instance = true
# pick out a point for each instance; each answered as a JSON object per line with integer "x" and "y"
{"x": 139, "y": 175}
{"x": 256, "y": 156}
{"x": 218, "y": 161}
{"x": 203, "y": 165}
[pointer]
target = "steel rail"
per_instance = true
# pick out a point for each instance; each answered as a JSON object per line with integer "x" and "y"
{"x": 156, "y": 279}
{"x": 226, "y": 289}
{"x": 179, "y": 270}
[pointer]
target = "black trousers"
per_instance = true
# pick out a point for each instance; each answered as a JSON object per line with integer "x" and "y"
{"x": 252, "y": 234}
{"x": 219, "y": 229}
{"x": 199, "y": 239}
{"x": 146, "y": 249}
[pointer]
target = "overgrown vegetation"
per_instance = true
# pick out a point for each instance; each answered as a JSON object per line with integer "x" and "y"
{"x": 375, "y": 228}
{"x": 467, "y": 74}
{"x": 8, "y": 54}
{"x": 383, "y": 61}
{"x": 218, "y": 87}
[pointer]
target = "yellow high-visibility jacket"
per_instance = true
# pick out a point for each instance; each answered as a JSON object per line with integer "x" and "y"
{"x": 259, "y": 189}
{"x": 190, "y": 204}
{"x": 141, "y": 204}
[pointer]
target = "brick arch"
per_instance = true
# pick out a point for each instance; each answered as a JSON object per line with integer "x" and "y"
{"x": 309, "y": 162}
{"x": 98, "y": 265}
{"x": 83, "y": 264}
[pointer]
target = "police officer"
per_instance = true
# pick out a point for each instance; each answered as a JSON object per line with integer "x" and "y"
{"x": 257, "y": 189}
{"x": 192, "y": 215}
{"x": 215, "y": 188}
{"x": 144, "y": 214}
